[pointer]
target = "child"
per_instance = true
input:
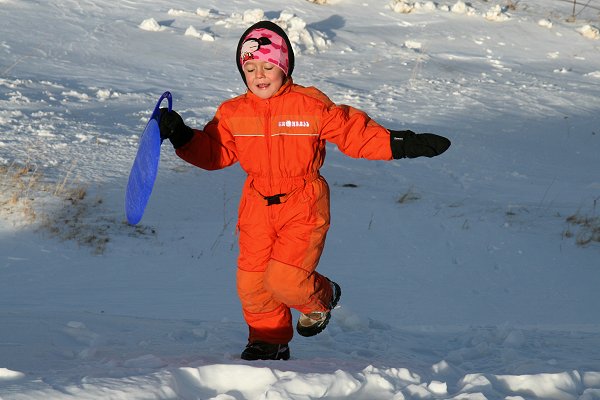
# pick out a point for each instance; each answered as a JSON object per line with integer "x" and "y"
{"x": 277, "y": 131}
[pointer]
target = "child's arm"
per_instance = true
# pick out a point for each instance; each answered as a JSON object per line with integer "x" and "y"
{"x": 357, "y": 135}
{"x": 213, "y": 148}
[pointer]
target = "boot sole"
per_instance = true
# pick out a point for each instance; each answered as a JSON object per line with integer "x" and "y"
{"x": 320, "y": 327}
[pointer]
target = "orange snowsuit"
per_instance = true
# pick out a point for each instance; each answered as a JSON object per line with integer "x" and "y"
{"x": 284, "y": 209}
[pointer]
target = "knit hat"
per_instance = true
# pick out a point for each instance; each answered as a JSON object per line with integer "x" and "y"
{"x": 265, "y": 41}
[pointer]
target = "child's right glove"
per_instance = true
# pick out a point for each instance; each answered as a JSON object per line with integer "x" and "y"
{"x": 411, "y": 145}
{"x": 173, "y": 128}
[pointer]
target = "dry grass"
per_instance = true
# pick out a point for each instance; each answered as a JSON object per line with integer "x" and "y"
{"x": 28, "y": 198}
{"x": 17, "y": 184}
{"x": 587, "y": 229}
{"x": 409, "y": 197}
{"x": 59, "y": 206}
{"x": 512, "y": 4}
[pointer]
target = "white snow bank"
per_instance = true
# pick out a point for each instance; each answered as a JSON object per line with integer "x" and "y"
{"x": 560, "y": 386}
{"x": 253, "y": 383}
{"x": 406, "y": 6}
{"x": 460, "y": 7}
{"x": 205, "y": 36}
{"x": 589, "y": 31}
{"x": 269, "y": 380}
{"x": 594, "y": 74}
{"x": 497, "y": 14}
{"x": 545, "y": 22}
{"x": 181, "y": 13}
{"x": 151, "y": 25}
{"x": 9, "y": 375}
{"x": 303, "y": 39}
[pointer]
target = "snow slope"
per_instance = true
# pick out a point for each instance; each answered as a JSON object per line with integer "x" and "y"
{"x": 473, "y": 275}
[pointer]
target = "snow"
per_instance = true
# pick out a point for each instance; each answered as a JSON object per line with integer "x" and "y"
{"x": 589, "y": 31}
{"x": 473, "y": 275}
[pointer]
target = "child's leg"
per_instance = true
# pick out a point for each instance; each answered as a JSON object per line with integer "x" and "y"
{"x": 268, "y": 319}
{"x": 280, "y": 247}
{"x": 290, "y": 275}
{"x": 297, "y": 288}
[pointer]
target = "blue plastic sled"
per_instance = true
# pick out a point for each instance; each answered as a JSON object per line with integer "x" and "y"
{"x": 145, "y": 166}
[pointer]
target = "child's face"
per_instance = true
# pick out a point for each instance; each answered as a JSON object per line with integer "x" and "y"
{"x": 263, "y": 78}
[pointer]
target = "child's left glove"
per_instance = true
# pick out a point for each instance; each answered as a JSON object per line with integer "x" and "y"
{"x": 173, "y": 128}
{"x": 411, "y": 145}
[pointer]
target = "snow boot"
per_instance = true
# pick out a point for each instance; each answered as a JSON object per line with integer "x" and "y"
{"x": 266, "y": 351}
{"x": 314, "y": 322}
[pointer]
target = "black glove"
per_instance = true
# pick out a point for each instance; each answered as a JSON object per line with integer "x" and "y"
{"x": 172, "y": 127}
{"x": 411, "y": 145}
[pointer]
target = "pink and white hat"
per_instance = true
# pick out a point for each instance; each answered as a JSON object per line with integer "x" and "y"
{"x": 265, "y": 41}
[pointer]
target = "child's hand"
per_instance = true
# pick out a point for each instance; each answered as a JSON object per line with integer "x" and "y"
{"x": 173, "y": 128}
{"x": 411, "y": 145}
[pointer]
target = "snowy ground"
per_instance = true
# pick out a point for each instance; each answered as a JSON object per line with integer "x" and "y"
{"x": 473, "y": 275}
